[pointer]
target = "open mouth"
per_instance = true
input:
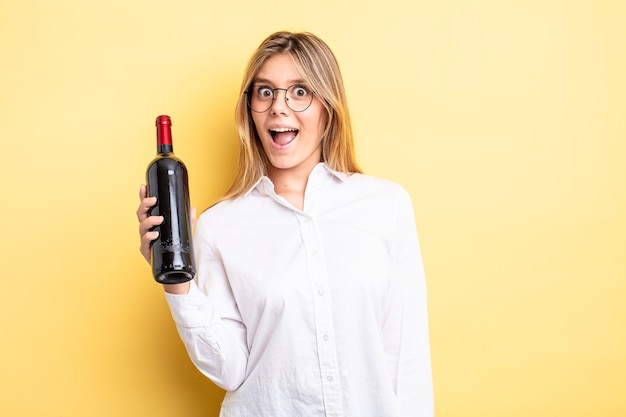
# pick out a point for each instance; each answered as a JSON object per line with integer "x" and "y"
{"x": 284, "y": 135}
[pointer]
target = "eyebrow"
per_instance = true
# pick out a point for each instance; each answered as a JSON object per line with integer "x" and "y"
{"x": 266, "y": 81}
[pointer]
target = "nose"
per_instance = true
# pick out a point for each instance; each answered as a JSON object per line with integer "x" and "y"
{"x": 279, "y": 105}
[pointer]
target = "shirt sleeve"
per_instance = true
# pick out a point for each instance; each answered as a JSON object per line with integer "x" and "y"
{"x": 405, "y": 328}
{"x": 208, "y": 320}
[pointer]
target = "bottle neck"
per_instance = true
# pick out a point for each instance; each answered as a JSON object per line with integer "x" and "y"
{"x": 165, "y": 149}
{"x": 164, "y": 134}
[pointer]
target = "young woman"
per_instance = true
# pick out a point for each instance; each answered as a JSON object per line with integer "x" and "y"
{"x": 310, "y": 298}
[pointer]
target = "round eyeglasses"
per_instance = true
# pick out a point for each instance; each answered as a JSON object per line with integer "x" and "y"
{"x": 261, "y": 97}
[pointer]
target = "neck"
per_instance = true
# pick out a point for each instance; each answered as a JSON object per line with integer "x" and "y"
{"x": 291, "y": 183}
{"x": 286, "y": 179}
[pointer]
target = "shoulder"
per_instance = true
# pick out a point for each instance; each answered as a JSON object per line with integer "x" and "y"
{"x": 368, "y": 184}
{"x": 225, "y": 212}
{"x": 370, "y": 197}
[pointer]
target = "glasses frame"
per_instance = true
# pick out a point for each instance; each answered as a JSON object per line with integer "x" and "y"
{"x": 249, "y": 94}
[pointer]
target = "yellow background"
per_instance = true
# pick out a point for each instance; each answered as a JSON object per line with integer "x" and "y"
{"x": 506, "y": 121}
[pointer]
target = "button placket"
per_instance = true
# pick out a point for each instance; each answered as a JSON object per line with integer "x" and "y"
{"x": 327, "y": 353}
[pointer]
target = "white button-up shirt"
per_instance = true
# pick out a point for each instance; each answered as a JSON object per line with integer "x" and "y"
{"x": 313, "y": 313}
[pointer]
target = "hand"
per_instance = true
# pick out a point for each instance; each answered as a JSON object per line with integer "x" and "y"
{"x": 147, "y": 222}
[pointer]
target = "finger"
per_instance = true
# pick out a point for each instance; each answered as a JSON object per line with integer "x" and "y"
{"x": 146, "y": 239}
{"x": 143, "y": 191}
{"x": 144, "y": 208}
{"x": 148, "y": 223}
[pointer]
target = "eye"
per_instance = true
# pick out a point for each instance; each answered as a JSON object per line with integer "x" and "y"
{"x": 300, "y": 91}
{"x": 264, "y": 92}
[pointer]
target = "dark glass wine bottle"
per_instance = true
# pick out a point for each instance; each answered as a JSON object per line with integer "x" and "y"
{"x": 172, "y": 252}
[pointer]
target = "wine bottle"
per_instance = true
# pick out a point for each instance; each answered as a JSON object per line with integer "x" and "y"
{"x": 172, "y": 252}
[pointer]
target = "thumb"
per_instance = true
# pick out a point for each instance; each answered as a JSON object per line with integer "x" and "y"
{"x": 193, "y": 217}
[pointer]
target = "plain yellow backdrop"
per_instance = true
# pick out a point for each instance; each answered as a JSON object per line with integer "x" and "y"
{"x": 505, "y": 120}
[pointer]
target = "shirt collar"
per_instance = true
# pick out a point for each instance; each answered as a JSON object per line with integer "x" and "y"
{"x": 264, "y": 185}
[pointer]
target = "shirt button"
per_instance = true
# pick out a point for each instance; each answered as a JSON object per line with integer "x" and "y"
{"x": 325, "y": 337}
{"x": 329, "y": 378}
{"x": 320, "y": 292}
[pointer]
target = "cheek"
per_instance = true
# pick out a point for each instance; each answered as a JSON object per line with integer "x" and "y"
{"x": 318, "y": 118}
{"x": 323, "y": 121}
{"x": 257, "y": 119}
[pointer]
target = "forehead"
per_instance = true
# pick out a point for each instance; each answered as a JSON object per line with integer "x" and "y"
{"x": 279, "y": 69}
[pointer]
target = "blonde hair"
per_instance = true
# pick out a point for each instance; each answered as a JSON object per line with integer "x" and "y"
{"x": 319, "y": 68}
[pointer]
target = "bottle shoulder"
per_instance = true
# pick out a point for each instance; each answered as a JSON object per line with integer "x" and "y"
{"x": 166, "y": 160}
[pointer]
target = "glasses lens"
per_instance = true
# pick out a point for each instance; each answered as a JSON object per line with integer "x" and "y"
{"x": 260, "y": 98}
{"x": 297, "y": 97}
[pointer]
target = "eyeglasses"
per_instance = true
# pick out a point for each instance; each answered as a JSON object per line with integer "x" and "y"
{"x": 261, "y": 97}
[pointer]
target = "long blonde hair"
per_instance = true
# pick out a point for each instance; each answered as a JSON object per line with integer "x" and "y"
{"x": 319, "y": 68}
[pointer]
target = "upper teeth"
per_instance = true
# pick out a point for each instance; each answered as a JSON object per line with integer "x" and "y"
{"x": 283, "y": 129}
